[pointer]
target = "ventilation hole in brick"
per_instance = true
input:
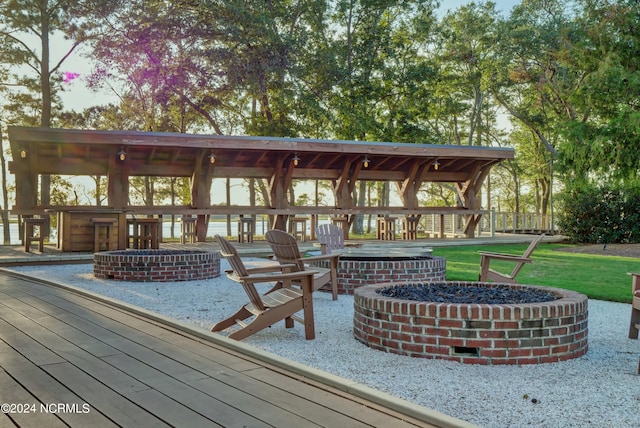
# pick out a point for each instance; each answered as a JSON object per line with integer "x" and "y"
{"x": 463, "y": 350}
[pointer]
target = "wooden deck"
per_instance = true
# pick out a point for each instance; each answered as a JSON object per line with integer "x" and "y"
{"x": 74, "y": 360}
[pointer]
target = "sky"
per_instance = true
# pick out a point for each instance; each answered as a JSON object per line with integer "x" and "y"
{"x": 78, "y": 97}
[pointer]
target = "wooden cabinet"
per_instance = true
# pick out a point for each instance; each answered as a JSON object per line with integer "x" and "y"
{"x": 76, "y": 229}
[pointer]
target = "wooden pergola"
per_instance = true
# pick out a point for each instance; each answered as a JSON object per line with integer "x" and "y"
{"x": 119, "y": 155}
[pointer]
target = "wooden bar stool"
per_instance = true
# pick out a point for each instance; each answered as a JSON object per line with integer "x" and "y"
{"x": 343, "y": 223}
{"x": 149, "y": 232}
{"x": 33, "y": 232}
{"x": 299, "y": 228}
{"x": 188, "y": 230}
{"x": 132, "y": 234}
{"x": 246, "y": 229}
{"x": 102, "y": 233}
{"x": 144, "y": 233}
{"x": 387, "y": 228}
{"x": 410, "y": 227}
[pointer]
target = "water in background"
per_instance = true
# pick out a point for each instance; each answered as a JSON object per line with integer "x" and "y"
{"x": 215, "y": 228}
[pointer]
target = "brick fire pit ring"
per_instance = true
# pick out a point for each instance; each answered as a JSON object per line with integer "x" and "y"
{"x": 488, "y": 334}
{"x": 156, "y": 265}
{"x": 360, "y": 267}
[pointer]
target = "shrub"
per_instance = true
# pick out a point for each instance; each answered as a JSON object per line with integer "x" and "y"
{"x": 601, "y": 214}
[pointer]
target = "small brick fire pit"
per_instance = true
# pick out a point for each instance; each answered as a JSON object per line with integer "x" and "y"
{"x": 156, "y": 265}
{"x": 525, "y": 333}
{"x": 360, "y": 267}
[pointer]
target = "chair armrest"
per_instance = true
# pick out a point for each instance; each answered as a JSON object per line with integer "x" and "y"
{"x": 274, "y": 268}
{"x": 353, "y": 244}
{"x": 278, "y": 277}
{"x": 635, "y": 285}
{"x": 508, "y": 257}
{"x": 320, "y": 257}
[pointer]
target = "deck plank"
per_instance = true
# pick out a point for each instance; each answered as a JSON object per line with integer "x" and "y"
{"x": 47, "y": 390}
{"x": 102, "y": 399}
{"x": 174, "y": 413}
{"x": 124, "y": 412}
{"x": 138, "y": 371}
{"x": 302, "y": 411}
{"x": 148, "y": 329}
{"x": 340, "y": 402}
{"x": 14, "y": 393}
{"x": 46, "y": 332}
{"x": 204, "y": 404}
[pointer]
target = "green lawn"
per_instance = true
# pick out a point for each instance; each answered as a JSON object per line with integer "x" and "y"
{"x": 599, "y": 277}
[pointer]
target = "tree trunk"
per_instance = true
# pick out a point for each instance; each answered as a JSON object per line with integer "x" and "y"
{"x": 45, "y": 118}
{"x": 5, "y": 195}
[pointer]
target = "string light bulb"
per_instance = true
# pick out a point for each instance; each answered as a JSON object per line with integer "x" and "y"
{"x": 366, "y": 161}
{"x": 23, "y": 153}
{"x": 122, "y": 155}
{"x": 212, "y": 158}
{"x": 436, "y": 164}
{"x": 296, "y": 160}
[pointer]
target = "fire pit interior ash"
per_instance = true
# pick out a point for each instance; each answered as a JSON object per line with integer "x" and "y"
{"x": 452, "y": 293}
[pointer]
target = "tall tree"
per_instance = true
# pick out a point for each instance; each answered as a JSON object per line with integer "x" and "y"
{"x": 537, "y": 81}
{"x": 4, "y": 213}
{"x": 26, "y": 31}
{"x": 372, "y": 83}
{"x": 601, "y": 140}
{"x": 464, "y": 51}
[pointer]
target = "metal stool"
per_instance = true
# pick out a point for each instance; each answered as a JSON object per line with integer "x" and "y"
{"x": 33, "y": 228}
{"x": 102, "y": 225}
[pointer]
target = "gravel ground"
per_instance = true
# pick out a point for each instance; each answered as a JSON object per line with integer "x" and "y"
{"x": 601, "y": 389}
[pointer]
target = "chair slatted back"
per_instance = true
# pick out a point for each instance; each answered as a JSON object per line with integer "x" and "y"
{"x": 285, "y": 248}
{"x": 532, "y": 246}
{"x": 230, "y": 253}
{"x": 331, "y": 236}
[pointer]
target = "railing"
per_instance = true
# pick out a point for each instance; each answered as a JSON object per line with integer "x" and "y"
{"x": 495, "y": 222}
{"x": 522, "y": 223}
{"x": 453, "y": 225}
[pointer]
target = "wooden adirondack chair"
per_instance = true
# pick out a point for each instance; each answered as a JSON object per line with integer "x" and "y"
{"x": 634, "y": 325}
{"x": 286, "y": 251}
{"x": 486, "y": 273}
{"x": 280, "y": 303}
{"x": 330, "y": 237}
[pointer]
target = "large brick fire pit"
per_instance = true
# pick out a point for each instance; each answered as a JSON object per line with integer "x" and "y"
{"x": 527, "y": 333}
{"x": 156, "y": 265}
